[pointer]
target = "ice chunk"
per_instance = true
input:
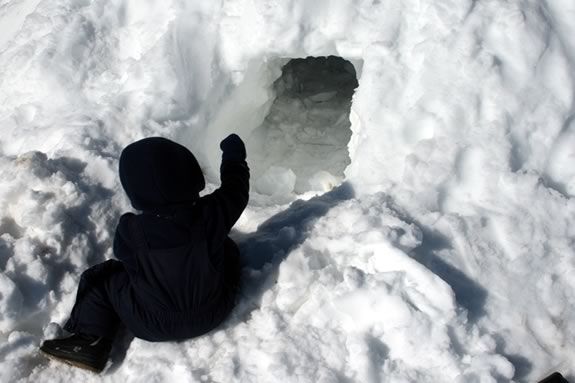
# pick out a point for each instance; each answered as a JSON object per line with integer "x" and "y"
{"x": 276, "y": 181}
{"x": 323, "y": 96}
{"x": 323, "y": 181}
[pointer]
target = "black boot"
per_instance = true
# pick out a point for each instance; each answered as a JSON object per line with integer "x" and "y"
{"x": 85, "y": 351}
{"x": 554, "y": 378}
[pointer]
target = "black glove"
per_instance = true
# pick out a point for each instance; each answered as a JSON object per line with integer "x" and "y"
{"x": 233, "y": 148}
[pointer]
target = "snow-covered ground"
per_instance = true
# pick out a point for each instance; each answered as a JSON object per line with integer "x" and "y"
{"x": 421, "y": 231}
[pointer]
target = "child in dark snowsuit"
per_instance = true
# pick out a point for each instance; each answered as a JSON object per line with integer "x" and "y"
{"x": 177, "y": 270}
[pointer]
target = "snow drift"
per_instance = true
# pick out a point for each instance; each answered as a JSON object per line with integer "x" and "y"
{"x": 445, "y": 253}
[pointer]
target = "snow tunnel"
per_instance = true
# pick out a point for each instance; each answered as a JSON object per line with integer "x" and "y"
{"x": 302, "y": 143}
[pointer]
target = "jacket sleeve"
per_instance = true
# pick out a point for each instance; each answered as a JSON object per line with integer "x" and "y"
{"x": 225, "y": 205}
{"x": 122, "y": 250}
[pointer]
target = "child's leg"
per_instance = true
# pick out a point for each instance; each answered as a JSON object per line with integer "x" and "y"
{"x": 93, "y": 319}
{"x": 93, "y": 312}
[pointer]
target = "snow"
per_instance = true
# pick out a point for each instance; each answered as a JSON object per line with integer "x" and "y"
{"x": 418, "y": 226}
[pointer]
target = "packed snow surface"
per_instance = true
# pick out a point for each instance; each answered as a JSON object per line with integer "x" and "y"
{"x": 411, "y": 222}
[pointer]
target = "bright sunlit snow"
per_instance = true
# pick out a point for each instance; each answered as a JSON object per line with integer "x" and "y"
{"x": 412, "y": 214}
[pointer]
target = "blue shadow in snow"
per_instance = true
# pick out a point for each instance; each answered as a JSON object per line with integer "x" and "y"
{"x": 263, "y": 251}
{"x": 277, "y": 236}
{"x": 469, "y": 294}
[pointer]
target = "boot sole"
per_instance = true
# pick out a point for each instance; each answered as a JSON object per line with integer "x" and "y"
{"x": 72, "y": 363}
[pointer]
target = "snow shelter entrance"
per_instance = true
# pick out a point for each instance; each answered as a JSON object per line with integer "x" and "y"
{"x": 302, "y": 143}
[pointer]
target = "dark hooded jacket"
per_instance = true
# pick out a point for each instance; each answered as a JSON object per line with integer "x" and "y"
{"x": 181, "y": 264}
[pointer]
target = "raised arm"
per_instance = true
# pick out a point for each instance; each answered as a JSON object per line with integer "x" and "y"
{"x": 227, "y": 203}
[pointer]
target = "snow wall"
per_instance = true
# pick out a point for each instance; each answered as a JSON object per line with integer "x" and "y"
{"x": 197, "y": 72}
{"x": 460, "y": 159}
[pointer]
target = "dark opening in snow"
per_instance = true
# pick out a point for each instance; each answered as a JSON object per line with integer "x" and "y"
{"x": 302, "y": 143}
